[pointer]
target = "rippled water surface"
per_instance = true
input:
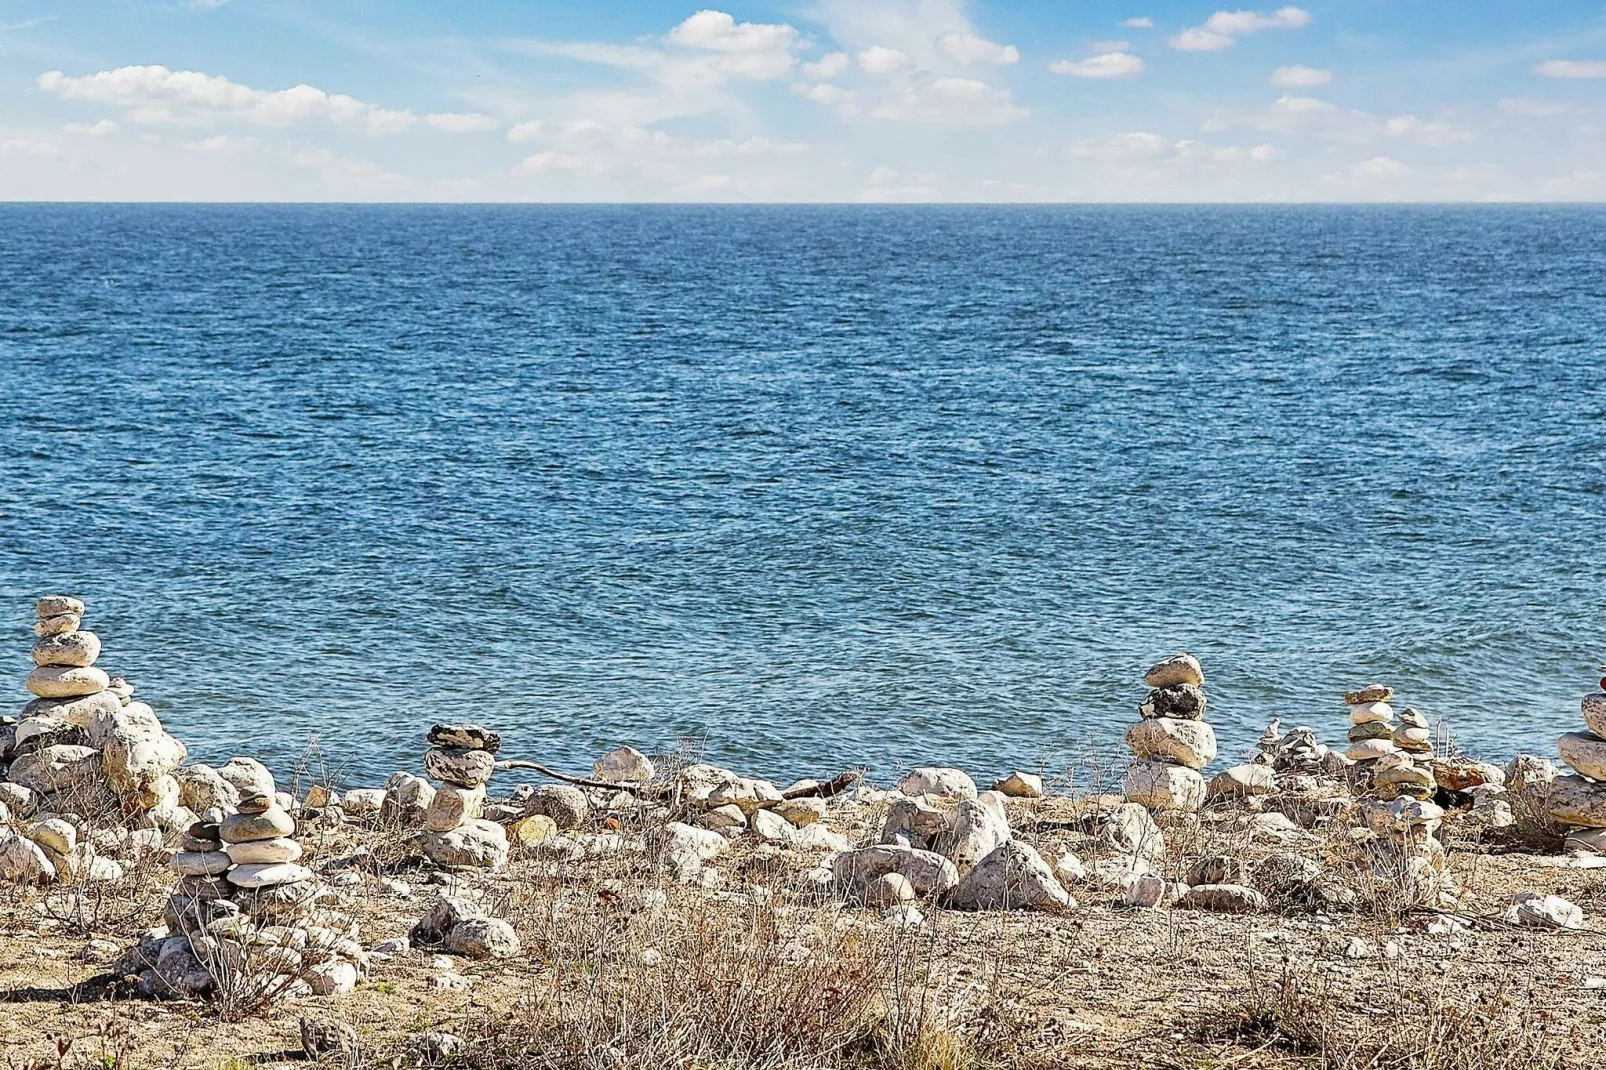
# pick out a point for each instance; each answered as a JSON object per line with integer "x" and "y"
{"x": 811, "y": 486}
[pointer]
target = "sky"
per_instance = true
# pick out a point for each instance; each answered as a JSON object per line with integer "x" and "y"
{"x": 815, "y": 100}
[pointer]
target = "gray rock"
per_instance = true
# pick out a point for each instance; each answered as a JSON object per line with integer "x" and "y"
{"x": 916, "y": 822}
{"x": 466, "y": 737}
{"x": 565, "y": 804}
{"x": 624, "y": 765}
{"x": 323, "y": 1040}
{"x": 72, "y": 649}
{"x": 1168, "y": 739}
{"x": 888, "y": 890}
{"x": 771, "y": 827}
{"x": 942, "y": 781}
{"x": 248, "y": 776}
{"x": 457, "y": 765}
{"x": 1367, "y": 695}
{"x": 59, "y": 769}
{"x": 271, "y": 824}
{"x": 1219, "y": 869}
{"x": 408, "y": 798}
{"x": 54, "y": 605}
{"x": 60, "y": 624}
{"x": 927, "y": 872}
{"x": 473, "y": 844}
{"x": 1223, "y": 899}
{"x": 1014, "y": 876}
{"x": 482, "y": 938}
{"x": 977, "y": 832}
{"x": 201, "y": 788}
{"x": 1585, "y": 752}
{"x": 1594, "y": 710}
{"x": 1544, "y": 912}
{"x": 1131, "y": 832}
{"x": 442, "y": 915}
{"x": 24, "y": 862}
{"x": 1184, "y": 702}
{"x": 1572, "y": 800}
{"x": 1161, "y": 786}
{"x": 1019, "y": 785}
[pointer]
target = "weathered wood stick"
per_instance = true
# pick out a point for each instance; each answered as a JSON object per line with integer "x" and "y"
{"x": 519, "y": 763}
{"x": 834, "y": 786}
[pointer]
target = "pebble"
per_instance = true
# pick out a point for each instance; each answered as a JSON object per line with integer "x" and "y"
{"x": 1175, "y": 670}
{"x": 458, "y": 766}
{"x": 1369, "y": 694}
{"x": 466, "y": 737}
{"x": 263, "y": 852}
{"x": 270, "y": 824}
{"x": 1019, "y": 785}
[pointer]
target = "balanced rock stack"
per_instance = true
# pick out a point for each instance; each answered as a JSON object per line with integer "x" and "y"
{"x": 1172, "y": 742}
{"x": 82, "y": 752}
{"x": 1382, "y": 750}
{"x": 1579, "y": 801}
{"x": 462, "y": 758}
{"x": 1406, "y": 853}
{"x": 242, "y": 917}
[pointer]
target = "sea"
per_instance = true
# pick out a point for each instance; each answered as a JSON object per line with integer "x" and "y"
{"x": 798, "y": 489}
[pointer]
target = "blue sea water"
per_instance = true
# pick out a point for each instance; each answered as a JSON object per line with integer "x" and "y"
{"x": 809, "y": 486}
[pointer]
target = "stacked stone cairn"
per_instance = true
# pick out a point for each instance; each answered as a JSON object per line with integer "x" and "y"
{"x": 1383, "y": 752}
{"x": 1577, "y": 802}
{"x": 1172, "y": 742}
{"x": 462, "y": 758}
{"x": 84, "y": 759}
{"x": 243, "y": 920}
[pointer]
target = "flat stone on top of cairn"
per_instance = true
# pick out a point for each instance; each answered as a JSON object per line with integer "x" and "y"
{"x": 462, "y": 757}
{"x": 1172, "y": 742}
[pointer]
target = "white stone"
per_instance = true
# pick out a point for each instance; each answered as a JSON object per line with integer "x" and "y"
{"x": 624, "y": 765}
{"x": 1368, "y": 749}
{"x": 362, "y": 801}
{"x": 60, "y": 624}
{"x": 1148, "y": 890}
{"x": 1571, "y": 800}
{"x": 477, "y": 843}
{"x": 1014, "y": 876}
{"x": 1176, "y": 670}
{"x": 1161, "y": 786}
{"x": 201, "y": 863}
{"x": 1371, "y": 713}
{"x": 332, "y": 977}
{"x": 452, "y": 805}
{"x": 1069, "y": 869}
{"x": 818, "y": 837}
{"x": 1019, "y": 785}
{"x": 201, "y": 788}
{"x": 977, "y": 832}
{"x": 771, "y": 827}
{"x": 55, "y": 681}
{"x": 70, "y": 650}
{"x": 1544, "y": 912}
{"x": 54, "y": 605}
{"x": 1129, "y": 830}
{"x": 22, "y": 861}
{"x": 1242, "y": 781}
{"x": 1585, "y": 752}
{"x": 54, "y": 833}
{"x": 1189, "y": 743}
{"x": 263, "y": 852}
{"x": 249, "y": 776}
{"x": 929, "y": 873}
{"x": 945, "y": 782}
{"x": 60, "y": 768}
{"x": 268, "y": 874}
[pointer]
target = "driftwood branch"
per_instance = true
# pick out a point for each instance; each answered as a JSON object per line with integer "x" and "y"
{"x": 835, "y": 786}
{"x": 519, "y": 763}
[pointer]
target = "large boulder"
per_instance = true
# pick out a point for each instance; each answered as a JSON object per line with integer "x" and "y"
{"x": 478, "y": 843}
{"x": 59, "y": 769}
{"x": 938, "y": 780}
{"x": 1167, "y": 739}
{"x": 1012, "y": 877}
{"x": 977, "y": 832}
{"x": 1161, "y": 786}
{"x": 1130, "y": 832}
{"x": 624, "y": 765}
{"x": 928, "y": 873}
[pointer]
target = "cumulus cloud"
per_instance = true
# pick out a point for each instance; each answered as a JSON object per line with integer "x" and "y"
{"x": 879, "y": 59}
{"x": 543, "y": 163}
{"x": 527, "y": 131}
{"x": 1572, "y": 68}
{"x": 1108, "y": 65}
{"x": 832, "y": 96}
{"x": 970, "y": 48}
{"x": 1381, "y": 167}
{"x": 1311, "y": 117}
{"x": 949, "y": 101}
{"x": 756, "y": 50}
{"x": 829, "y": 66}
{"x": 1299, "y": 77}
{"x": 1221, "y": 30}
{"x": 156, "y": 96}
{"x": 18, "y": 146}
{"x": 1141, "y": 146}
{"x": 1141, "y": 22}
{"x": 98, "y": 129}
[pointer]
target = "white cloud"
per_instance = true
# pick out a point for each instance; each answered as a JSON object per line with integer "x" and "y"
{"x": 1572, "y": 68}
{"x": 460, "y": 122}
{"x": 156, "y": 96}
{"x": 711, "y": 184}
{"x": 527, "y": 131}
{"x": 970, "y": 48}
{"x": 1139, "y": 147}
{"x": 1221, "y": 30}
{"x": 1141, "y": 22}
{"x": 1425, "y": 132}
{"x": 1107, "y": 65}
{"x": 27, "y": 147}
{"x": 1527, "y": 107}
{"x": 543, "y": 163}
{"x": 833, "y": 96}
{"x": 829, "y": 66}
{"x": 756, "y": 50}
{"x": 879, "y": 59}
{"x": 1381, "y": 167}
{"x": 224, "y": 145}
{"x": 753, "y": 146}
{"x": 948, "y": 101}
{"x": 100, "y": 129}
{"x": 1299, "y": 77}
{"x": 1305, "y": 116}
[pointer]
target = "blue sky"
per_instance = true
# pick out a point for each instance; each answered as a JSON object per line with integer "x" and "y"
{"x": 820, "y": 100}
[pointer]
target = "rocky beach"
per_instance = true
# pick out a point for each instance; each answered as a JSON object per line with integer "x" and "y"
{"x": 1383, "y": 901}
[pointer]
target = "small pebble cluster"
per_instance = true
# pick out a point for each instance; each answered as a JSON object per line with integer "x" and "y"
{"x": 1172, "y": 742}
{"x": 462, "y": 758}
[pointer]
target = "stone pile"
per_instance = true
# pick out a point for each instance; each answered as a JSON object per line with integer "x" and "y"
{"x": 244, "y": 919}
{"x": 82, "y": 754}
{"x": 1386, "y": 755}
{"x": 1297, "y": 758}
{"x": 1172, "y": 742}
{"x": 462, "y": 758}
{"x": 1578, "y": 802}
{"x": 1405, "y": 854}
